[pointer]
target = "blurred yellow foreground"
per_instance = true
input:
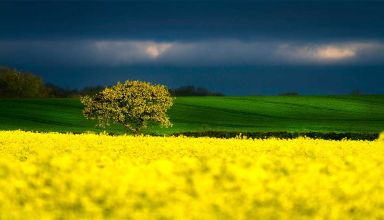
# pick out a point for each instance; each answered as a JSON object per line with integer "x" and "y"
{"x": 66, "y": 176}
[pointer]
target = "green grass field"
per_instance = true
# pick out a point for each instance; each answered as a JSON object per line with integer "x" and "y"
{"x": 251, "y": 114}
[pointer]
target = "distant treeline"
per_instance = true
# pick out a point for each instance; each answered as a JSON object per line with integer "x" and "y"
{"x": 16, "y": 84}
{"x": 193, "y": 91}
{"x": 20, "y": 84}
{"x": 282, "y": 135}
{"x": 58, "y": 92}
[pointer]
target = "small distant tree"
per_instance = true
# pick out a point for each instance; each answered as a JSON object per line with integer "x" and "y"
{"x": 133, "y": 104}
{"x": 289, "y": 94}
{"x": 193, "y": 91}
{"x": 356, "y": 92}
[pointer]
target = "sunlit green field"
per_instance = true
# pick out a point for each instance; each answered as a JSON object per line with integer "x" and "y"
{"x": 259, "y": 113}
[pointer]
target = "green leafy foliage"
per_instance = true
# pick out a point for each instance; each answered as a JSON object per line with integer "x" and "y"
{"x": 133, "y": 104}
{"x": 17, "y": 84}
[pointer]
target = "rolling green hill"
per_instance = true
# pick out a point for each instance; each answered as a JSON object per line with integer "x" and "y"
{"x": 259, "y": 113}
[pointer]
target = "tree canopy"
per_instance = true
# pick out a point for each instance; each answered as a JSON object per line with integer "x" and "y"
{"x": 133, "y": 104}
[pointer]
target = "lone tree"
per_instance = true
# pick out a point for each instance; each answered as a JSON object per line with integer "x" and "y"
{"x": 133, "y": 104}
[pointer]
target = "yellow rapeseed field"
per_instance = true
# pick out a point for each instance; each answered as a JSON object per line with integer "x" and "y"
{"x": 88, "y": 176}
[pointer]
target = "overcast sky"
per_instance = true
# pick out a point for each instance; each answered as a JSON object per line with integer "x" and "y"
{"x": 235, "y": 47}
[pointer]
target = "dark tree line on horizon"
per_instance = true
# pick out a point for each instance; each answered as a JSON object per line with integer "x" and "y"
{"x": 20, "y": 84}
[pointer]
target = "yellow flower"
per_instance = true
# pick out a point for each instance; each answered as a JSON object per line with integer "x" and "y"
{"x": 89, "y": 176}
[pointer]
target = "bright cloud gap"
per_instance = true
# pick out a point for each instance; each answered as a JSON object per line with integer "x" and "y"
{"x": 220, "y": 52}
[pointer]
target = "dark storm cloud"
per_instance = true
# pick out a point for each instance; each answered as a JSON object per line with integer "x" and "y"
{"x": 237, "y": 47}
{"x": 170, "y": 21}
{"x": 191, "y": 33}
